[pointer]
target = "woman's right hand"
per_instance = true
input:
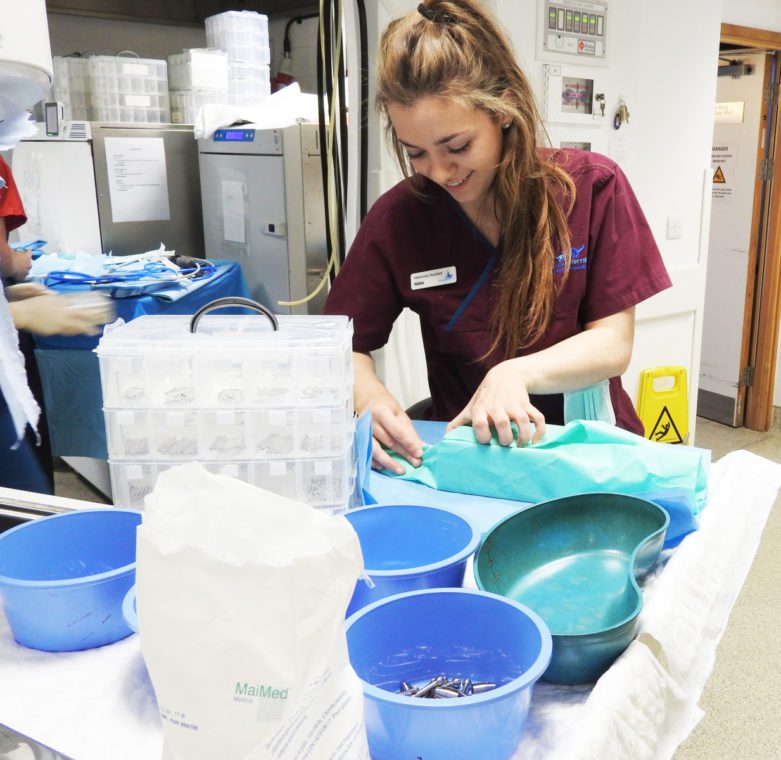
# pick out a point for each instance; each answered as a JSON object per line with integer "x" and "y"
{"x": 391, "y": 427}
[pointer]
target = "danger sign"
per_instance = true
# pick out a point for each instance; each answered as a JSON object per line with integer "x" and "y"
{"x": 723, "y": 160}
{"x": 665, "y": 430}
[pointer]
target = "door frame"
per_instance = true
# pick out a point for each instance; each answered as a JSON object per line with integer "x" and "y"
{"x": 762, "y": 310}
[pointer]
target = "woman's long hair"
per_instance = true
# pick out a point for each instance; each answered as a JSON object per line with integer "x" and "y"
{"x": 455, "y": 50}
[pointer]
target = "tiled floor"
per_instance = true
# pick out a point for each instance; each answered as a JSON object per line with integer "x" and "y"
{"x": 742, "y": 699}
{"x": 70, "y": 484}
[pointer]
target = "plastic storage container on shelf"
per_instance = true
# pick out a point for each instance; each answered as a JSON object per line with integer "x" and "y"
{"x": 198, "y": 69}
{"x": 185, "y": 104}
{"x": 71, "y": 86}
{"x": 131, "y": 90}
{"x": 249, "y": 84}
{"x": 322, "y": 483}
{"x": 242, "y": 34}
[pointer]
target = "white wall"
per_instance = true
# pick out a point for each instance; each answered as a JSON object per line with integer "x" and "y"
{"x": 303, "y": 47}
{"x": 760, "y": 14}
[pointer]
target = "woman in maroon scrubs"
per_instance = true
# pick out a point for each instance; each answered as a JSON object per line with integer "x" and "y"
{"x": 524, "y": 264}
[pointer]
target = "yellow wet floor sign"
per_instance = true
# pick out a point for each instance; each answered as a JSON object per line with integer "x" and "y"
{"x": 662, "y": 404}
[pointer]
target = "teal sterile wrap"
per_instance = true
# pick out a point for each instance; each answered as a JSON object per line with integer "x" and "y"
{"x": 580, "y": 457}
{"x": 589, "y": 403}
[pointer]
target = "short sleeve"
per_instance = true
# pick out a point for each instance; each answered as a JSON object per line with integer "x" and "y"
{"x": 625, "y": 266}
{"x": 11, "y": 208}
{"x": 365, "y": 289}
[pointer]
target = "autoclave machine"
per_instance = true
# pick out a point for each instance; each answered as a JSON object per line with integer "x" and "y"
{"x": 262, "y": 195}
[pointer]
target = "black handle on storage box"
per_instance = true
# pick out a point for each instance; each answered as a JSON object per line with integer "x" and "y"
{"x": 221, "y": 303}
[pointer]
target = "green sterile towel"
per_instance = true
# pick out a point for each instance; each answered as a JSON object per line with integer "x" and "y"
{"x": 580, "y": 457}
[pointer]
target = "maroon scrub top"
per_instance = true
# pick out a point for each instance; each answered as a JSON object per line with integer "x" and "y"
{"x": 615, "y": 265}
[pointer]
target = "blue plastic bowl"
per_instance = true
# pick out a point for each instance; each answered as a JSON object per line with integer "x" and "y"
{"x": 129, "y": 612}
{"x": 407, "y": 548}
{"x": 461, "y": 633}
{"x": 63, "y": 578}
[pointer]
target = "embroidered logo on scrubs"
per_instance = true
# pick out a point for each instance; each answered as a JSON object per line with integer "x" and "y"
{"x": 576, "y": 262}
{"x": 432, "y": 278}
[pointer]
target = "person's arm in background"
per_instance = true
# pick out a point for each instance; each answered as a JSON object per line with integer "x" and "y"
{"x": 391, "y": 427}
{"x": 14, "y": 265}
{"x": 35, "y": 308}
{"x": 56, "y": 314}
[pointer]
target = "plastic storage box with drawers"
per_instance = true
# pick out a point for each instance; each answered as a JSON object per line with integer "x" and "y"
{"x": 129, "y": 90}
{"x": 271, "y": 407}
{"x": 243, "y": 35}
{"x": 72, "y": 87}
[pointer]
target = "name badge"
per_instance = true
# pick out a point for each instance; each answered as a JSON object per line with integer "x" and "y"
{"x": 433, "y": 278}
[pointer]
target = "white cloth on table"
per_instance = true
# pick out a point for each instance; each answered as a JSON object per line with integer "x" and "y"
{"x": 99, "y": 703}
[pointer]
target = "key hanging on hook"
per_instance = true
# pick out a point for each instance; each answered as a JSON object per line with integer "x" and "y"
{"x": 622, "y": 115}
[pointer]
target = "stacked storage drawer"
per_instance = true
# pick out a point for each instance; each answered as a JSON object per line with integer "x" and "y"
{"x": 196, "y": 77}
{"x": 129, "y": 90}
{"x": 243, "y": 35}
{"x": 72, "y": 87}
{"x": 273, "y": 408}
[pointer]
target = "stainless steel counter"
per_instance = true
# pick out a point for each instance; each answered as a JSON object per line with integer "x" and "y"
{"x": 14, "y": 512}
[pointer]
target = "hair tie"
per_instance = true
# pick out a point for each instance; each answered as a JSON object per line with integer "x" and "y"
{"x": 437, "y": 17}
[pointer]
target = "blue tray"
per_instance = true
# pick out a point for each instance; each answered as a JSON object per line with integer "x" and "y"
{"x": 575, "y": 561}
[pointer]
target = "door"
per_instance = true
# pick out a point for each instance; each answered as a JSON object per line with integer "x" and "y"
{"x": 231, "y": 185}
{"x": 737, "y": 149}
{"x": 754, "y": 385}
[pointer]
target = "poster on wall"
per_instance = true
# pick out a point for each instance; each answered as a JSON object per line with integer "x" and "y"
{"x": 724, "y": 165}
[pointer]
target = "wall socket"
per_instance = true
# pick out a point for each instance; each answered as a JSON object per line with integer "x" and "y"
{"x": 674, "y": 225}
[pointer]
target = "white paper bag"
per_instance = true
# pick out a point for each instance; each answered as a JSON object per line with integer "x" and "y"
{"x": 241, "y": 598}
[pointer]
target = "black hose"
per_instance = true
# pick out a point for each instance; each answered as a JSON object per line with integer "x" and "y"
{"x": 321, "y": 129}
{"x": 294, "y": 20}
{"x": 363, "y": 122}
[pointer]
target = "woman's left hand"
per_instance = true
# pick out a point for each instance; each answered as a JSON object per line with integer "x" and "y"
{"x": 500, "y": 400}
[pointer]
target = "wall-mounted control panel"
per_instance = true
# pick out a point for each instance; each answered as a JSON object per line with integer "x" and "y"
{"x": 572, "y": 29}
